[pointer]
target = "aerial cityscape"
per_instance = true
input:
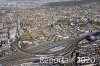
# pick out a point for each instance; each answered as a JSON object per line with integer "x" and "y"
{"x": 49, "y": 32}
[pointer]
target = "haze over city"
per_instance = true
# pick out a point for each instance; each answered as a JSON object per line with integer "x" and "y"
{"x": 36, "y": 1}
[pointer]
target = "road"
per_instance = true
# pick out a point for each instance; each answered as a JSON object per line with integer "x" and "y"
{"x": 21, "y": 56}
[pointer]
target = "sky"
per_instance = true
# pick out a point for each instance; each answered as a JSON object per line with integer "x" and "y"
{"x": 42, "y": 1}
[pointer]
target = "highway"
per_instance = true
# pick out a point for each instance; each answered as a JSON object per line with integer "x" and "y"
{"x": 33, "y": 54}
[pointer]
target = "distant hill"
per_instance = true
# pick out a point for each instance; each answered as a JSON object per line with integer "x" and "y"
{"x": 64, "y": 3}
{"x": 70, "y": 3}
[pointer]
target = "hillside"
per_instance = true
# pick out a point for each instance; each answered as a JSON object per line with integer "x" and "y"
{"x": 70, "y": 3}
